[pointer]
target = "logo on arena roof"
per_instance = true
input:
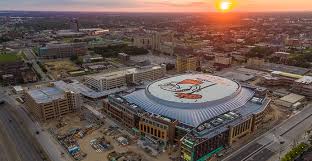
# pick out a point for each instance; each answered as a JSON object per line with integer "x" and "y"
{"x": 187, "y": 88}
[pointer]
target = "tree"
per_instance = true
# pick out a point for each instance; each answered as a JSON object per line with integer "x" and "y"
{"x": 259, "y": 52}
{"x": 74, "y": 58}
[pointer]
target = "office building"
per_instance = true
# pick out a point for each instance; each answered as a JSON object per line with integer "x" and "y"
{"x": 65, "y": 50}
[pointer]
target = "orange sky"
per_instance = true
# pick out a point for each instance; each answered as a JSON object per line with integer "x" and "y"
{"x": 153, "y": 5}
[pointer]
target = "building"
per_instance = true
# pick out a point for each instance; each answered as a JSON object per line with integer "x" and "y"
{"x": 255, "y": 62}
{"x": 74, "y": 25}
{"x": 223, "y": 61}
{"x": 123, "y": 112}
{"x": 13, "y": 70}
{"x": 187, "y": 63}
{"x": 145, "y": 73}
{"x": 203, "y": 113}
{"x": 162, "y": 42}
{"x": 303, "y": 86}
{"x": 121, "y": 78}
{"x": 51, "y": 102}
{"x": 65, "y": 50}
{"x": 142, "y": 42}
{"x": 107, "y": 81}
{"x": 290, "y": 100}
{"x": 18, "y": 90}
{"x": 298, "y": 84}
{"x": 157, "y": 128}
{"x": 123, "y": 57}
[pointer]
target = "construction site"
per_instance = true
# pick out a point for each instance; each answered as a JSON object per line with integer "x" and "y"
{"x": 84, "y": 137}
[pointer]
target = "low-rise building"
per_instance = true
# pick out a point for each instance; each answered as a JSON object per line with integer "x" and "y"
{"x": 145, "y": 73}
{"x": 107, "y": 81}
{"x": 303, "y": 86}
{"x": 290, "y": 100}
{"x": 123, "y": 57}
{"x": 121, "y": 78}
{"x": 223, "y": 61}
{"x": 13, "y": 70}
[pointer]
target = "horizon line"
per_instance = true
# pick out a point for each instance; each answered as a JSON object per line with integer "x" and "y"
{"x": 77, "y": 11}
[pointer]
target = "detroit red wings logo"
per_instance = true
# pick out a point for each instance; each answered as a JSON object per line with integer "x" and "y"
{"x": 187, "y": 88}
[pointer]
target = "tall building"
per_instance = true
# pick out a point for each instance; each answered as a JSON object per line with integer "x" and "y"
{"x": 202, "y": 113}
{"x": 51, "y": 102}
{"x": 187, "y": 63}
{"x": 74, "y": 25}
{"x": 66, "y": 50}
{"x": 142, "y": 42}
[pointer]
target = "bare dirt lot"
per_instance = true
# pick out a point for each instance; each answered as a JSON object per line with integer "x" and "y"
{"x": 60, "y": 68}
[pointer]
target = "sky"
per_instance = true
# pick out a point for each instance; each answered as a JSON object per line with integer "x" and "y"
{"x": 153, "y": 5}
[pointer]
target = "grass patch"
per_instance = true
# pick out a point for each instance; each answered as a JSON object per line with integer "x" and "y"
{"x": 6, "y": 58}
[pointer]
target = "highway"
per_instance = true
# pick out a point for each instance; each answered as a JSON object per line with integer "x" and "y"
{"x": 277, "y": 141}
{"x": 47, "y": 142}
{"x": 22, "y": 142}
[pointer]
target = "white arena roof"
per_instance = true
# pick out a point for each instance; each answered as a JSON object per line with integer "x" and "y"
{"x": 197, "y": 88}
{"x": 191, "y": 98}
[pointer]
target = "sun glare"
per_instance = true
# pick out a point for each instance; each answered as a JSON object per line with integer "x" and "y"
{"x": 225, "y": 5}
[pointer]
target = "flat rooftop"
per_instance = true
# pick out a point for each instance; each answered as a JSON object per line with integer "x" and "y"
{"x": 107, "y": 76}
{"x": 143, "y": 69}
{"x": 46, "y": 94}
{"x": 237, "y": 76}
{"x": 78, "y": 87}
{"x": 292, "y": 98}
{"x": 284, "y": 68}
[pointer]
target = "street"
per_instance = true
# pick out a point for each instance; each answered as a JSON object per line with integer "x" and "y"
{"x": 277, "y": 141}
{"x": 49, "y": 145}
{"x": 31, "y": 57}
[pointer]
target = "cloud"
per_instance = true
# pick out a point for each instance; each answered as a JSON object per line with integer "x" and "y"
{"x": 179, "y": 3}
{"x": 151, "y": 5}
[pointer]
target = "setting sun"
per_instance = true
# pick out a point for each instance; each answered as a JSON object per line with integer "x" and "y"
{"x": 225, "y": 5}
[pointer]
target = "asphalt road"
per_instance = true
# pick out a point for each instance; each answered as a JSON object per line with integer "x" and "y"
{"x": 47, "y": 142}
{"x": 30, "y": 56}
{"x": 23, "y": 143}
{"x": 268, "y": 146}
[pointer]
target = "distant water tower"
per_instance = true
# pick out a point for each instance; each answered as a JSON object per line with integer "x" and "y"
{"x": 74, "y": 25}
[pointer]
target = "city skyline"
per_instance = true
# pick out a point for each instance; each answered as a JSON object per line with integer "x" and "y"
{"x": 154, "y": 5}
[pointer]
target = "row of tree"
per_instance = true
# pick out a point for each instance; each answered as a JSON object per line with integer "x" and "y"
{"x": 113, "y": 50}
{"x": 295, "y": 152}
{"x": 296, "y": 58}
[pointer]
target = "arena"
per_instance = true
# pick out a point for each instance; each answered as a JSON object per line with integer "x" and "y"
{"x": 204, "y": 113}
{"x": 191, "y": 99}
